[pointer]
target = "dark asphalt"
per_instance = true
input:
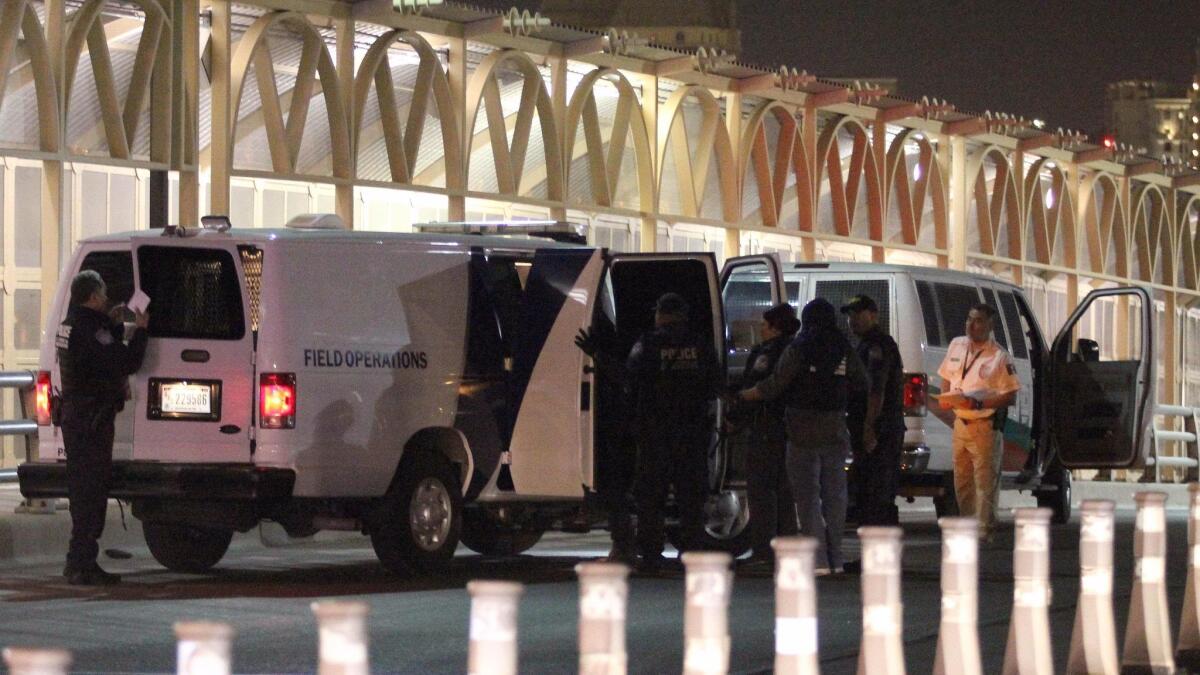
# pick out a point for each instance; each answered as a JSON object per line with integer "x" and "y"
{"x": 420, "y": 625}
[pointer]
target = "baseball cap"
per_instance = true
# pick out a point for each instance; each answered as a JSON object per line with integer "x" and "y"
{"x": 671, "y": 303}
{"x": 859, "y": 303}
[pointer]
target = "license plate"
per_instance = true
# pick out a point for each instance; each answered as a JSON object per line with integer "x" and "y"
{"x": 186, "y": 398}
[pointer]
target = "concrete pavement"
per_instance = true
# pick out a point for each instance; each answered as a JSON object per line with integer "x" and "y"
{"x": 27, "y": 538}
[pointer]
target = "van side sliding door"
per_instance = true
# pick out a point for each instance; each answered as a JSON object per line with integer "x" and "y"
{"x": 1101, "y": 382}
{"x": 195, "y": 390}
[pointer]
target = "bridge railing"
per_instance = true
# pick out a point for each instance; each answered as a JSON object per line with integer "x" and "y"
{"x": 1174, "y": 448}
{"x": 23, "y": 381}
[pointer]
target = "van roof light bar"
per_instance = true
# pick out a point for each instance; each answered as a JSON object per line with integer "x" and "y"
{"x": 216, "y": 223}
{"x": 555, "y": 230}
{"x": 317, "y": 221}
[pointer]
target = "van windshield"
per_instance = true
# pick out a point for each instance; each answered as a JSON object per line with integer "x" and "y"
{"x": 194, "y": 293}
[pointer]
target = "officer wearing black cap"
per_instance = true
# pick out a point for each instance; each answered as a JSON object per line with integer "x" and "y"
{"x": 772, "y": 511}
{"x": 877, "y": 422}
{"x": 675, "y": 376}
{"x": 94, "y": 362}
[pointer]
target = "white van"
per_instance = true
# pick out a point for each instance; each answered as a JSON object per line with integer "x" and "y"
{"x": 1101, "y": 412}
{"x": 421, "y": 388}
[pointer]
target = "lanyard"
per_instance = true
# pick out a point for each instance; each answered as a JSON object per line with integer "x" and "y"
{"x": 969, "y": 362}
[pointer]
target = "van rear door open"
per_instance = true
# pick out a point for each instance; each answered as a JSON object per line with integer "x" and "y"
{"x": 195, "y": 388}
{"x": 1102, "y": 396}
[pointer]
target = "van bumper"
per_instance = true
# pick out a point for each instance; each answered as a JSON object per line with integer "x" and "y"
{"x": 141, "y": 480}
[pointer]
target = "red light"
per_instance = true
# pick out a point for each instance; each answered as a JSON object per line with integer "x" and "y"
{"x": 277, "y": 400}
{"x": 42, "y": 397}
{"x": 914, "y": 394}
{"x": 1109, "y": 141}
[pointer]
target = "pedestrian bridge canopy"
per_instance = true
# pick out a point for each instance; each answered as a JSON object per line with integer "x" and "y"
{"x": 266, "y": 109}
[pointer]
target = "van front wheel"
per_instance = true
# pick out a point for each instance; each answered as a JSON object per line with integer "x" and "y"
{"x": 186, "y": 548}
{"x": 419, "y": 521}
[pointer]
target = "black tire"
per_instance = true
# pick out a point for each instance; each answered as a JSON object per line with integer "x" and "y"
{"x": 1058, "y": 500}
{"x": 946, "y": 505}
{"x": 418, "y": 524}
{"x": 186, "y": 548}
{"x": 487, "y": 537}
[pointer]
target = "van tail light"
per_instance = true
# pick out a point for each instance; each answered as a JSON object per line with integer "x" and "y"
{"x": 914, "y": 394}
{"x": 42, "y": 398}
{"x": 277, "y": 400}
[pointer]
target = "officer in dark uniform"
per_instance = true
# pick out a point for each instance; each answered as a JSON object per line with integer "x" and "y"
{"x": 94, "y": 362}
{"x": 877, "y": 422}
{"x": 772, "y": 511}
{"x": 675, "y": 376}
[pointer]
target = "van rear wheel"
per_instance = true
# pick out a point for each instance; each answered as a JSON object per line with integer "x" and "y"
{"x": 419, "y": 521}
{"x": 186, "y": 548}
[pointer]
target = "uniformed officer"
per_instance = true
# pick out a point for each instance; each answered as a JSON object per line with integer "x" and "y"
{"x": 94, "y": 362}
{"x": 877, "y": 422}
{"x": 979, "y": 382}
{"x": 675, "y": 376}
{"x": 816, "y": 377}
{"x": 772, "y": 510}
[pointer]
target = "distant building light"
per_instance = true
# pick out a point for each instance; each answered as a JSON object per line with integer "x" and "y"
{"x": 1049, "y": 201}
{"x": 1109, "y": 142}
{"x": 1195, "y": 119}
{"x": 917, "y": 172}
{"x": 1039, "y": 124}
{"x": 1196, "y": 86}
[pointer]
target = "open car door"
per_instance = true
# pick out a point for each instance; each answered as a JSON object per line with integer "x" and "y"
{"x": 750, "y": 285}
{"x": 1101, "y": 383}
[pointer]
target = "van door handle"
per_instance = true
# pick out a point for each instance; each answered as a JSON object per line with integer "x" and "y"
{"x": 195, "y": 355}
{"x": 230, "y": 429}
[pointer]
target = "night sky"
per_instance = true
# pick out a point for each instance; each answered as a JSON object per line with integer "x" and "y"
{"x": 1048, "y": 59}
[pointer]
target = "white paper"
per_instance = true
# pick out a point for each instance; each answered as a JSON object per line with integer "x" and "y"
{"x": 139, "y": 302}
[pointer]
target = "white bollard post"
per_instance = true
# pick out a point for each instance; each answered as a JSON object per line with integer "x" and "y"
{"x": 958, "y": 636}
{"x": 1148, "y": 631}
{"x": 1187, "y": 655}
{"x": 603, "y": 593}
{"x": 493, "y": 630}
{"x": 342, "y": 637}
{"x": 203, "y": 648}
{"x": 882, "y": 651}
{"x": 706, "y": 612}
{"x": 795, "y": 606}
{"x": 1094, "y": 638}
{"x": 1028, "y": 651}
{"x": 32, "y": 661}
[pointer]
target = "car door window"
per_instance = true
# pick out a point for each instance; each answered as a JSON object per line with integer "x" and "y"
{"x": 999, "y": 331}
{"x": 1018, "y": 325}
{"x": 746, "y": 295}
{"x": 954, "y": 303}
{"x": 930, "y": 314}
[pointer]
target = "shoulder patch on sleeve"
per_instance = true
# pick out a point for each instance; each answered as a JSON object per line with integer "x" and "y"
{"x": 104, "y": 337}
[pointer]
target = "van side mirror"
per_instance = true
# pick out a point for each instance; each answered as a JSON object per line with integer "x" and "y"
{"x": 1087, "y": 351}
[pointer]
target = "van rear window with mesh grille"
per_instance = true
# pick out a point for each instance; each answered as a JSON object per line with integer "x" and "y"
{"x": 838, "y": 292}
{"x": 194, "y": 293}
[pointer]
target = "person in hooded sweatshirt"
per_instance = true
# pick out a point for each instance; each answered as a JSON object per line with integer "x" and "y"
{"x": 815, "y": 378}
